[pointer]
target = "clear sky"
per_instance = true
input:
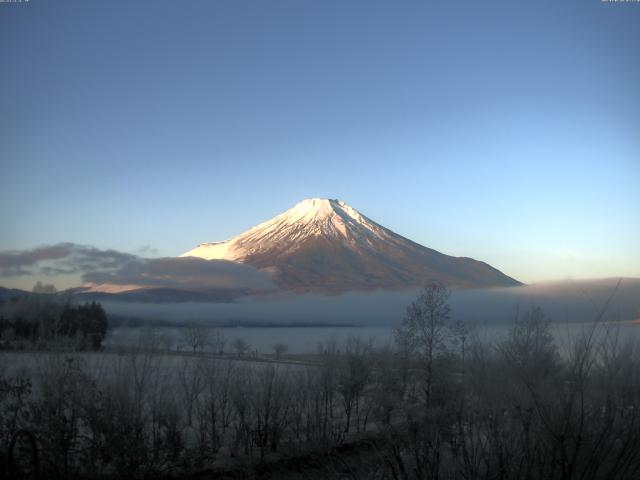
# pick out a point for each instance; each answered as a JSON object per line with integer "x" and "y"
{"x": 500, "y": 130}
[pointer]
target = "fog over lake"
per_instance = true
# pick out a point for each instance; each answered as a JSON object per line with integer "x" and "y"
{"x": 308, "y": 339}
{"x": 566, "y": 301}
{"x": 571, "y": 305}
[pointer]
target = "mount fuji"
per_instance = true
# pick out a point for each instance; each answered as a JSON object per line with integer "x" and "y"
{"x": 323, "y": 245}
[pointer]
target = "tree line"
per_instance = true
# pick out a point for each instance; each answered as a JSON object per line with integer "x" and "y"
{"x": 438, "y": 403}
{"x": 45, "y": 320}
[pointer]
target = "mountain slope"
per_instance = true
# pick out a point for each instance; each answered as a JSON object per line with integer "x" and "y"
{"x": 326, "y": 245}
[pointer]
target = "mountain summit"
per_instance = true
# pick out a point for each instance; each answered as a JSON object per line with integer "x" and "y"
{"x": 326, "y": 245}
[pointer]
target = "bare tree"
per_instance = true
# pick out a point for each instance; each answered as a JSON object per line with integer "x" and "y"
{"x": 353, "y": 378}
{"x": 191, "y": 381}
{"x": 214, "y": 406}
{"x": 279, "y": 349}
{"x": 389, "y": 384}
{"x": 240, "y": 346}
{"x": 241, "y": 392}
{"x": 271, "y": 401}
{"x": 326, "y": 383}
{"x": 461, "y": 332}
{"x": 530, "y": 347}
{"x": 195, "y": 337}
{"x": 425, "y": 329}
{"x": 218, "y": 342}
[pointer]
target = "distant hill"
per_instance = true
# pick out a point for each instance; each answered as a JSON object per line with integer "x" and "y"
{"x": 9, "y": 293}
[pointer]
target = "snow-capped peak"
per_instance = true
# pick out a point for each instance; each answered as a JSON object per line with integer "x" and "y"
{"x": 311, "y": 217}
{"x": 314, "y": 209}
{"x": 311, "y": 208}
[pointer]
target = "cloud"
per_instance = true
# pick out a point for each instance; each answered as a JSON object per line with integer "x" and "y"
{"x": 17, "y": 262}
{"x": 564, "y": 302}
{"x": 114, "y": 267}
{"x": 187, "y": 272}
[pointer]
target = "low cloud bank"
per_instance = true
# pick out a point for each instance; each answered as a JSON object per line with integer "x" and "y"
{"x": 563, "y": 301}
{"x": 566, "y": 301}
{"x": 112, "y": 267}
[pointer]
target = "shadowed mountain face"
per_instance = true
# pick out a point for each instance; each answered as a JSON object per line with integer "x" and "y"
{"x": 326, "y": 245}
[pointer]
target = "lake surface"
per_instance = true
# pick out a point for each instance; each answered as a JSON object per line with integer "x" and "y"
{"x": 307, "y": 339}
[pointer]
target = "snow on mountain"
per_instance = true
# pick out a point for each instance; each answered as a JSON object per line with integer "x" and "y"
{"x": 327, "y": 245}
{"x": 309, "y": 218}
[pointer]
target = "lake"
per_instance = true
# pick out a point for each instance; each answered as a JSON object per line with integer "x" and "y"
{"x": 306, "y": 339}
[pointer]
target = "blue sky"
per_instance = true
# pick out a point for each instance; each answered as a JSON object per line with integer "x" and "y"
{"x": 503, "y": 131}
